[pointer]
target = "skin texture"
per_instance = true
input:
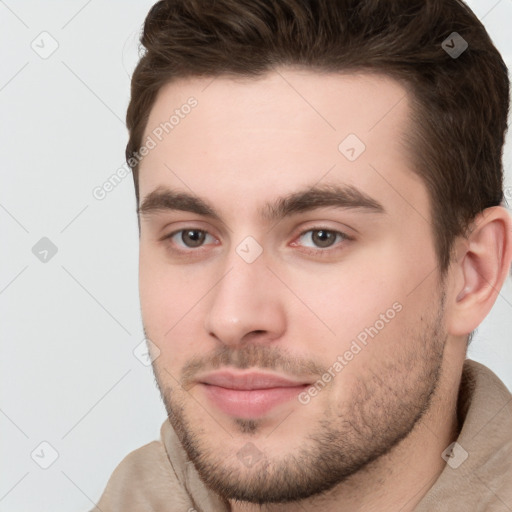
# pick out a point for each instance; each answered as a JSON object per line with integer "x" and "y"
{"x": 372, "y": 438}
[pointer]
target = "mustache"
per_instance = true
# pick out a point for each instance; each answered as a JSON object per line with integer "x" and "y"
{"x": 260, "y": 356}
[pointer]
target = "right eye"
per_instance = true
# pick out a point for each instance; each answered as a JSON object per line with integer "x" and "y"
{"x": 189, "y": 238}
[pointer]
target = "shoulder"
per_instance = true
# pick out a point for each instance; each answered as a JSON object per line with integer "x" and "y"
{"x": 144, "y": 480}
{"x": 479, "y": 475}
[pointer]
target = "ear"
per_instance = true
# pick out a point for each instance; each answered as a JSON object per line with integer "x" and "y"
{"x": 481, "y": 267}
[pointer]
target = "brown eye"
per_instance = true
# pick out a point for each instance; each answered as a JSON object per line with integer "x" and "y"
{"x": 190, "y": 242}
{"x": 321, "y": 242}
{"x": 193, "y": 237}
{"x": 323, "y": 238}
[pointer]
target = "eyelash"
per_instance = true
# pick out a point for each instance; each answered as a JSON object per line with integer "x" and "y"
{"x": 328, "y": 251}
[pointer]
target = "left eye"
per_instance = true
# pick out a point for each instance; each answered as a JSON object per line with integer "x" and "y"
{"x": 321, "y": 238}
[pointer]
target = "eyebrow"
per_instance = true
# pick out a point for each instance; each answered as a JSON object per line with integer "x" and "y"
{"x": 347, "y": 197}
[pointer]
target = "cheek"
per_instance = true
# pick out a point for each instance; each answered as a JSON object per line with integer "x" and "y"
{"x": 170, "y": 299}
{"x": 153, "y": 290}
{"x": 368, "y": 304}
{"x": 349, "y": 297}
{"x": 162, "y": 295}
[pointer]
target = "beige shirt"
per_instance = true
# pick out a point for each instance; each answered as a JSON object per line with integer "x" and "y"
{"x": 158, "y": 477}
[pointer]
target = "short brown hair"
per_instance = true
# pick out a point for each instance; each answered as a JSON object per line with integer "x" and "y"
{"x": 459, "y": 108}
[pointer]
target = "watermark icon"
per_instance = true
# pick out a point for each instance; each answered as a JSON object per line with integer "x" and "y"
{"x": 45, "y": 45}
{"x": 146, "y": 352}
{"x": 352, "y": 147}
{"x": 249, "y": 455}
{"x": 507, "y": 192}
{"x": 157, "y": 135}
{"x": 44, "y": 455}
{"x": 44, "y": 250}
{"x": 249, "y": 249}
{"x": 454, "y": 45}
{"x": 356, "y": 346}
{"x": 455, "y": 455}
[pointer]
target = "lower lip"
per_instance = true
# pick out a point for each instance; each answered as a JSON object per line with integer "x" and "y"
{"x": 252, "y": 403}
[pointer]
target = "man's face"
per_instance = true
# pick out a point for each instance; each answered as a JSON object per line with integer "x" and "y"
{"x": 290, "y": 250}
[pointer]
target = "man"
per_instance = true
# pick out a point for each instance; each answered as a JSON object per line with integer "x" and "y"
{"x": 319, "y": 190}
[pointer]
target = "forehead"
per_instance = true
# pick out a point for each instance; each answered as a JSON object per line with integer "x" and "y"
{"x": 287, "y": 129}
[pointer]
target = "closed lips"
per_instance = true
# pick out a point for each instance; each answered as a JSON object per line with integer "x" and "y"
{"x": 249, "y": 381}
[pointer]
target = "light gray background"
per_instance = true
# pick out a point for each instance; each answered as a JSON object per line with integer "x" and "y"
{"x": 69, "y": 326}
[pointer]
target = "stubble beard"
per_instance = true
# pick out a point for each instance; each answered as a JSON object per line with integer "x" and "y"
{"x": 385, "y": 406}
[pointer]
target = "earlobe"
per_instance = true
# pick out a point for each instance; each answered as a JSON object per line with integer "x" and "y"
{"x": 482, "y": 269}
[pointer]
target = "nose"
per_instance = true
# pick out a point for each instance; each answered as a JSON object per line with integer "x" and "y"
{"x": 246, "y": 305}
